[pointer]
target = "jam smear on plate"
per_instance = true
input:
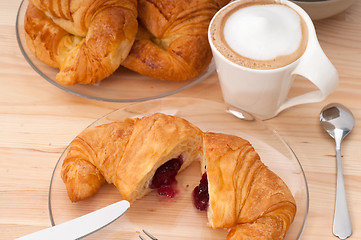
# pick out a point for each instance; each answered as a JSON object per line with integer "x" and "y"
{"x": 200, "y": 194}
{"x": 164, "y": 178}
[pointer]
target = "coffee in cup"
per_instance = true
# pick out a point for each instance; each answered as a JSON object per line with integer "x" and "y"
{"x": 259, "y": 47}
{"x": 262, "y": 34}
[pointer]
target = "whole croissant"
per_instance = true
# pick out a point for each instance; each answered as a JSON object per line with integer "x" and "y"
{"x": 128, "y": 154}
{"x": 244, "y": 195}
{"x": 86, "y": 39}
{"x": 172, "y": 42}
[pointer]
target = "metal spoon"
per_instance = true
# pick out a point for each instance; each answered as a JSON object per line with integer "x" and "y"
{"x": 338, "y": 121}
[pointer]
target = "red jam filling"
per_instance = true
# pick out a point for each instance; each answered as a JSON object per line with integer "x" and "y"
{"x": 200, "y": 194}
{"x": 164, "y": 178}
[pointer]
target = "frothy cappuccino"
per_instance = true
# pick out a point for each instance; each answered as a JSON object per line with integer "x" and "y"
{"x": 262, "y": 34}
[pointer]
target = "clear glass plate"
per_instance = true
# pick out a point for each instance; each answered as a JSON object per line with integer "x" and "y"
{"x": 178, "y": 218}
{"x": 123, "y": 86}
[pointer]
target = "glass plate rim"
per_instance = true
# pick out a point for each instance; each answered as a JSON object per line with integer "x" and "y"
{"x": 195, "y": 99}
{"x": 205, "y": 74}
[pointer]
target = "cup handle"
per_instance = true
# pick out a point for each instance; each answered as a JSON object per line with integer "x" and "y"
{"x": 317, "y": 68}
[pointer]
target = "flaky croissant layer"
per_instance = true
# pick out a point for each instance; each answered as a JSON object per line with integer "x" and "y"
{"x": 127, "y": 154}
{"x": 86, "y": 39}
{"x": 244, "y": 195}
{"x": 172, "y": 43}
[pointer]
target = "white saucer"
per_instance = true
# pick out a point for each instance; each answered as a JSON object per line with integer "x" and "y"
{"x": 324, "y": 8}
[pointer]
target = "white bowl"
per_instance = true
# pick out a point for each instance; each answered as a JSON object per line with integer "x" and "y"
{"x": 324, "y": 9}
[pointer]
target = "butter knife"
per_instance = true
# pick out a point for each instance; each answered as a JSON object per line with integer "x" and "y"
{"x": 82, "y": 226}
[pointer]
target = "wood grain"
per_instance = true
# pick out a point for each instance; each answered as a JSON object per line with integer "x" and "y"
{"x": 38, "y": 120}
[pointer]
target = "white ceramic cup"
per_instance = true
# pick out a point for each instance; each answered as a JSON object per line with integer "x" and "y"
{"x": 264, "y": 93}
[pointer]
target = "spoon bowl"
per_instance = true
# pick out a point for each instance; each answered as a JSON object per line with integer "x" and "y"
{"x": 338, "y": 122}
{"x": 336, "y": 116}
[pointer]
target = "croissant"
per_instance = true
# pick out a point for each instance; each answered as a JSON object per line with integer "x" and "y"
{"x": 244, "y": 195}
{"x": 86, "y": 39}
{"x": 172, "y": 42}
{"x": 238, "y": 191}
{"x": 136, "y": 155}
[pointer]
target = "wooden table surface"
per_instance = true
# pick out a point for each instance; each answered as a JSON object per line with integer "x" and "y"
{"x": 38, "y": 120}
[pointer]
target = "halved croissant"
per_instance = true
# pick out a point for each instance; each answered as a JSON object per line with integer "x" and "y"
{"x": 172, "y": 43}
{"x": 244, "y": 195}
{"x": 86, "y": 39}
{"x": 128, "y": 154}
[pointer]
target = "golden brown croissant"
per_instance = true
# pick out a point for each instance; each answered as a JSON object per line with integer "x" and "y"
{"x": 244, "y": 195}
{"x": 135, "y": 155}
{"x": 238, "y": 191}
{"x": 86, "y": 39}
{"x": 172, "y": 43}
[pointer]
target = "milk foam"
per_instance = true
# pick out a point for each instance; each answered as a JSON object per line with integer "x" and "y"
{"x": 263, "y": 32}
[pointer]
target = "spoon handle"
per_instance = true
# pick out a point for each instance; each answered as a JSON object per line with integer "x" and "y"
{"x": 341, "y": 222}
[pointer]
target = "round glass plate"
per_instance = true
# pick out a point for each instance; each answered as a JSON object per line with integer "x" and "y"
{"x": 178, "y": 218}
{"x": 123, "y": 86}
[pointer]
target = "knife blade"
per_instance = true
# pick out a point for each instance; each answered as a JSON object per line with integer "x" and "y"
{"x": 82, "y": 226}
